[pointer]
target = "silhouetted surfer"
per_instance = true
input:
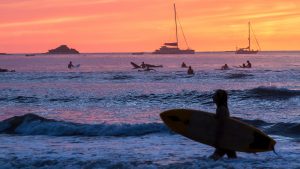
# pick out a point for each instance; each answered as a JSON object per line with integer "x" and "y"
{"x": 248, "y": 64}
{"x": 143, "y": 65}
{"x": 147, "y": 68}
{"x": 243, "y": 66}
{"x": 70, "y": 65}
{"x": 190, "y": 71}
{"x": 225, "y": 67}
{"x": 183, "y": 65}
{"x": 222, "y": 112}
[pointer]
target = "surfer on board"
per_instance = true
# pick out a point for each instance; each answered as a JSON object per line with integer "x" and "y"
{"x": 225, "y": 67}
{"x": 143, "y": 65}
{"x": 222, "y": 112}
{"x": 190, "y": 71}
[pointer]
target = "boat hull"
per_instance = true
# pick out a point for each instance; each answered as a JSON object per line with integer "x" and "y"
{"x": 246, "y": 52}
{"x": 188, "y": 51}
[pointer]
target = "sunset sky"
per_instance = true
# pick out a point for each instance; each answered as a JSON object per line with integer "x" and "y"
{"x": 143, "y": 25}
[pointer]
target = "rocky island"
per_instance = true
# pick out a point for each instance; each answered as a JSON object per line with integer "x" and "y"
{"x": 63, "y": 49}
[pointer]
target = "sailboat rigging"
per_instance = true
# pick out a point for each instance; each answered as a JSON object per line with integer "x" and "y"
{"x": 173, "y": 47}
{"x": 248, "y": 50}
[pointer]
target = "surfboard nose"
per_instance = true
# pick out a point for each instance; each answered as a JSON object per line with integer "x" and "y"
{"x": 170, "y": 116}
{"x": 175, "y": 115}
{"x": 272, "y": 145}
{"x": 176, "y": 119}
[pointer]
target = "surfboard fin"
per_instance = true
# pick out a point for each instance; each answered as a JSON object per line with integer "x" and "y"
{"x": 275, "y": 151}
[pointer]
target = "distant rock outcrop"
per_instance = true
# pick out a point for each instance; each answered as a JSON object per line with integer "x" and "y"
{"x": 63, "y": 49}
{"x": 6, "y": 70}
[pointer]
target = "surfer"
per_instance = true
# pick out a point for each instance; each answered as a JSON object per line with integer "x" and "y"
{"x": 243, "y": 66}
{"x": 190, "y": 71}
{"x": 183, "y": 65}
{"x": 225, "y": 67}
{"x": 135, "y": 66}
{"x": 222, "y": 112}
{"x": 143, "y": 65}
{"x": 70, "y": 65}
{"x": 248, "y": 64}
{"x": 147, "y": 68}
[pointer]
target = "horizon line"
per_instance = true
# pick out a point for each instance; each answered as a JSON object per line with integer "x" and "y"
{"x": 145, "y": 52}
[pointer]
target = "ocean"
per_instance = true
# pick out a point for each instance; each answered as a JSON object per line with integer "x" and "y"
{"x": 105, "y": 114}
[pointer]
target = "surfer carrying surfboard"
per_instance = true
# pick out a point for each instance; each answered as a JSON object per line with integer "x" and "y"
{"x": 220, "y": 99}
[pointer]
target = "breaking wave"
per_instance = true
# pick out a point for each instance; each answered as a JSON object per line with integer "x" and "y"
{"x": 31, "y": 124}
{"x": 24, "y": 99}
{"x": 184, "y": 96}
{"x": 238, "y": 76}
{"x": 285, "y": 129}
{"x": 120, "y": 77}
{"x": 272, "y": 93}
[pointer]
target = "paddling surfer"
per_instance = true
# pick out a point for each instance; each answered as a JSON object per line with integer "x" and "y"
{"x": 248, "y": 64}
{"x": 243, "y": 66}
{"x": 225, "y": 67}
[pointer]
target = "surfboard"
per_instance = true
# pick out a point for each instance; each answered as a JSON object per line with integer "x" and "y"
{"x": 242, "y": 67}
{"x": 135, "y": 66}
{"x": 200, "y": 126}
{"x": 149, "y": 65}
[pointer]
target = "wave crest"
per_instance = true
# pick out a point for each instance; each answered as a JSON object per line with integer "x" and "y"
{"x": 31, "y": 124}
{"x": 274, "y": 92}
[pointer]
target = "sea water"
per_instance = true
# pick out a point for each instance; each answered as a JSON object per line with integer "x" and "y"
{"x": 106, "y": 114}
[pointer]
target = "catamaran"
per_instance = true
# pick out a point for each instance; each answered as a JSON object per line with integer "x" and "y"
{"x": 173, "y": 47}
{"x": 248, "y": 50}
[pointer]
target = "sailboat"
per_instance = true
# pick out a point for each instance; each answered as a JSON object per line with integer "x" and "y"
{"x": 173, "y": 47}
{"x": 248, "y": 50}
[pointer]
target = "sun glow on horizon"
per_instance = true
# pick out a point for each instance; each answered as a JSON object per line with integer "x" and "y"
{"x": 137, "y": 25}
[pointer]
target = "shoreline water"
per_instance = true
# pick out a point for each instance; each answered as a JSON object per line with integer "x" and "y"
{"x": 107, "y": 114}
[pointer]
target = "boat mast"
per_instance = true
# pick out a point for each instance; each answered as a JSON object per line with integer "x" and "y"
{"x": 249, "y": 36}
{"x": 176, "y": 25}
